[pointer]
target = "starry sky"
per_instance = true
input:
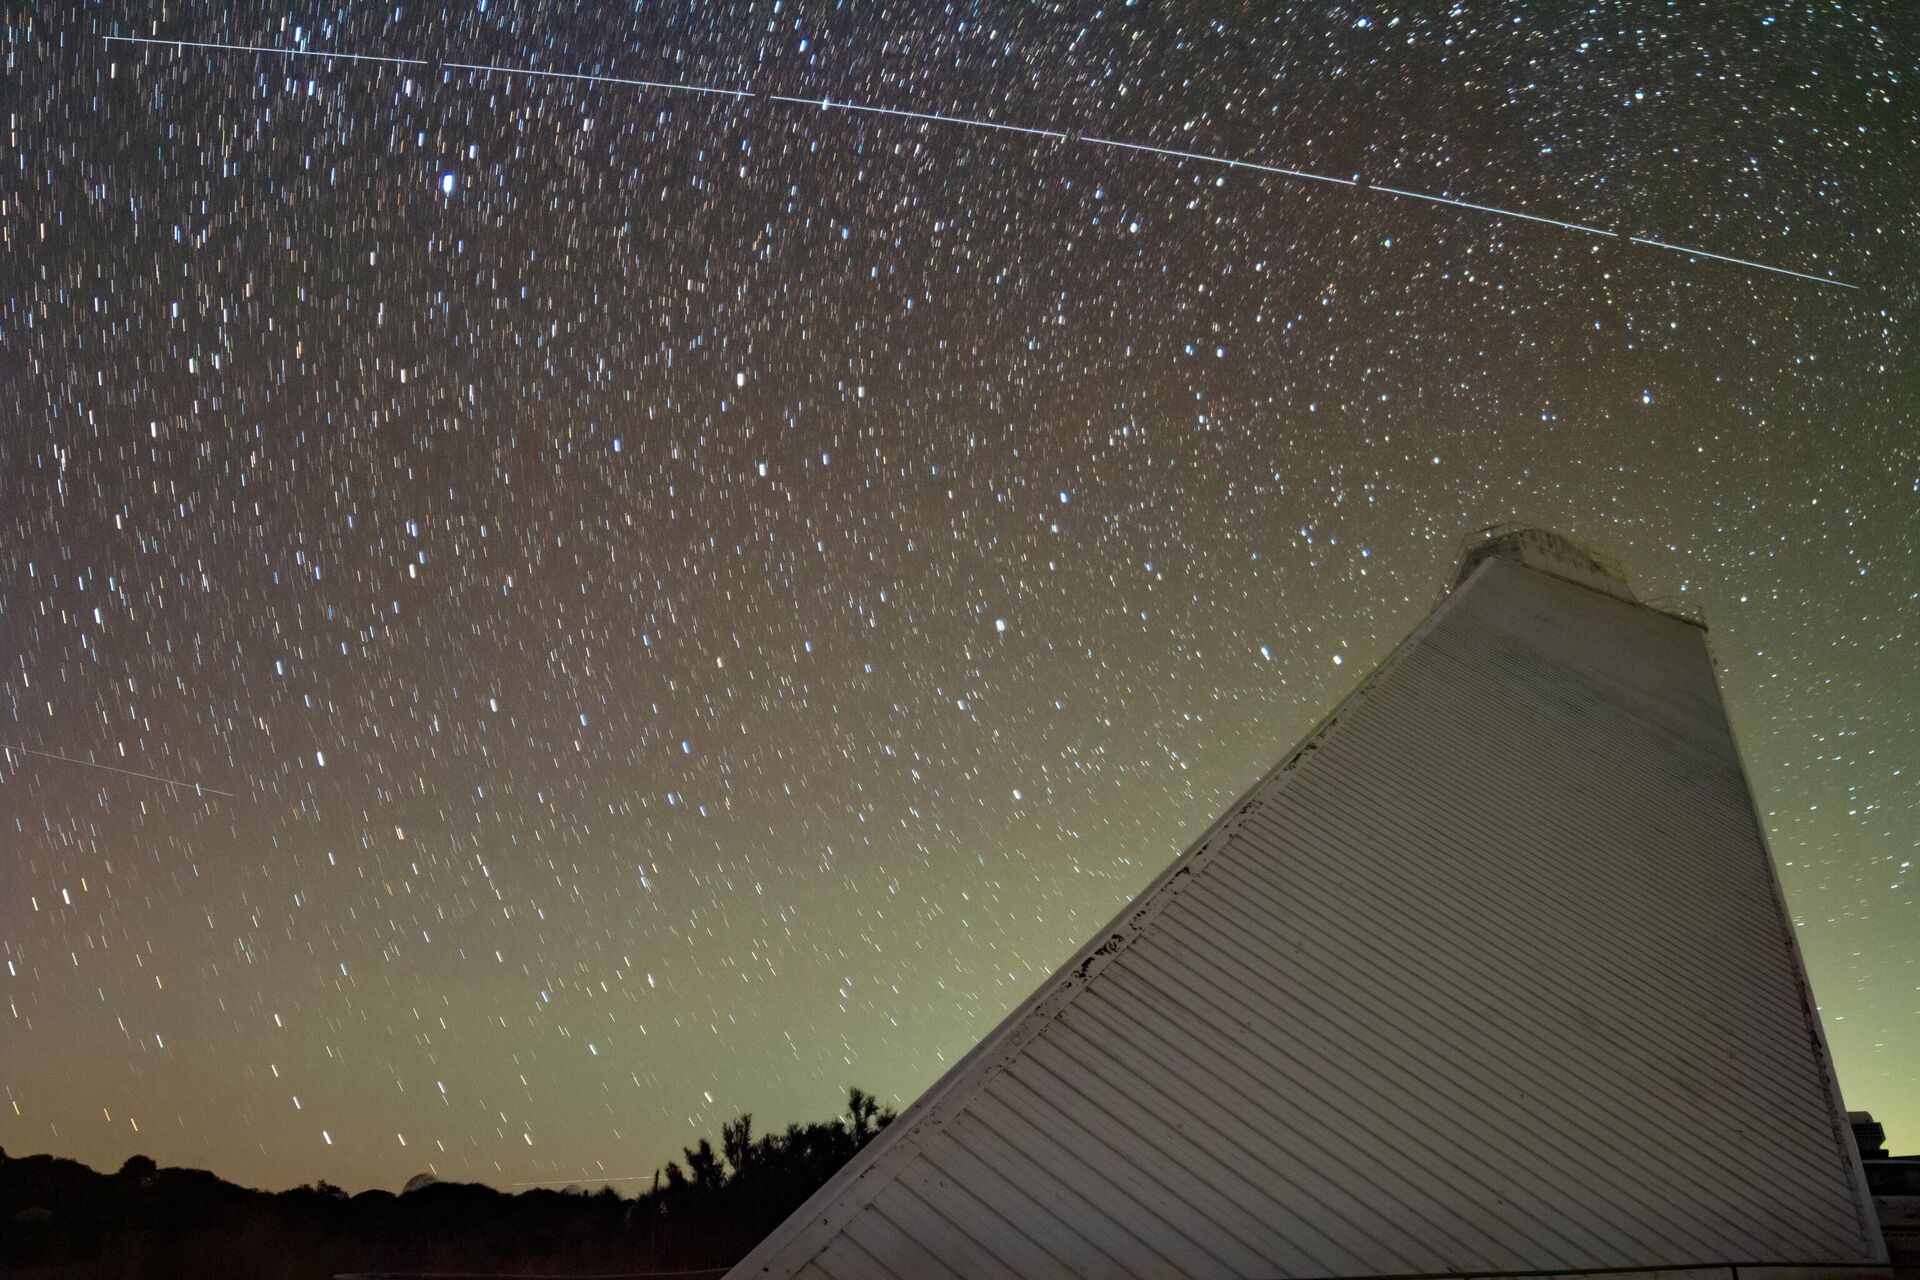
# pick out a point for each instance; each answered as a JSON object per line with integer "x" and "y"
{"x": 699, "y": 601}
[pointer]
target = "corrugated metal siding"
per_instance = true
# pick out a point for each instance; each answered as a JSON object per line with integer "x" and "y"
{"x": 1490, "y": 975}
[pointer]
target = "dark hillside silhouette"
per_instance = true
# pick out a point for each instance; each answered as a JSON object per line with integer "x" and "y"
{"x": 60, "y": 1218}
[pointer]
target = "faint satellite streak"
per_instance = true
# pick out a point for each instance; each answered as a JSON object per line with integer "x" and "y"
{"x": 1743, "y": 262}
{"x": 576, "y": 75}
{"x": 1231, "y": 164}
{"x": 830, "y": 104}
{"x": 1064, "y": 137}
{"x": 593, "y": 1181}
{"x": 196, "y": 787}
{"x": 262, "y": 48}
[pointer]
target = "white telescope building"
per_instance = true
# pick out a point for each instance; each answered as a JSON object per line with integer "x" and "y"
{"x": 1490, "y": 976}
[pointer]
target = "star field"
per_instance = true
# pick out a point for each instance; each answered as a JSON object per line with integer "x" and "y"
{"x": 698, "y": 602}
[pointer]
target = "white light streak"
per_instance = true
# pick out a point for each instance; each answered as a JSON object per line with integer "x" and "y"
{"x": 260, "y": 48}
{"x": 1743, "y": 262}
{"x": 1496, "y": 211}
{"x": 1207, "y": 159}
{"x": 195, "y": 787}
{"x": 1056, "y": 135}
{"x": 595, "y": 1179}
{"x": 828, "y": 104}
{"x": 575, "y": 75}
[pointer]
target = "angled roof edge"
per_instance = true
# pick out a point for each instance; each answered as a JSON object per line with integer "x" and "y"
{"x": 1503, "y": 540}
{"x": 1549, "y": 551}
{"x": 814, "y": 1225}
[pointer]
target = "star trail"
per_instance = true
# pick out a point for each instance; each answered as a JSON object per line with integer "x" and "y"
{"x": 567, "y": 574}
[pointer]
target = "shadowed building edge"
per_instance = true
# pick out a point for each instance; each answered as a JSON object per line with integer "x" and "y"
{"x": 1490, "y": 975}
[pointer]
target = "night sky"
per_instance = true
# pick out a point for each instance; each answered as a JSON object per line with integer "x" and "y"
{"x": 701, "y": 601}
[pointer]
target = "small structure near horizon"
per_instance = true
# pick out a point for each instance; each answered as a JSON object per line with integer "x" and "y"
{"x": 1869, "y": 1135}
{"x": 1490, "y": 975}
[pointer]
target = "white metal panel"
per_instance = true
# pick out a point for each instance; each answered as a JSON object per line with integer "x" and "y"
{"x": 1490, "y": 975}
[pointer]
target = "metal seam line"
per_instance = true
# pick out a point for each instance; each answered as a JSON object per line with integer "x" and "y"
{"x": 829, "y": 104}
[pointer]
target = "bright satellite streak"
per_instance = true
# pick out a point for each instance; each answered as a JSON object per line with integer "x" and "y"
{"x": 575, "y": 75}
{"x": 260, "y": 48}
{"x": 1062, "y": 136}
{"x": 830, "y": 104}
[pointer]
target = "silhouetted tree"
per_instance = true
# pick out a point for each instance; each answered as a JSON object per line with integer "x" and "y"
{"x": 864, "y": 1114}
{"x": 60, "y": 1217}
{"x": 736, "y": 1140}
{"x": 704, "y": 1166}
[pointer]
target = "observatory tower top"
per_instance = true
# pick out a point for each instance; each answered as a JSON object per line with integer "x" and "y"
{"x": 1547, "y": 552}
